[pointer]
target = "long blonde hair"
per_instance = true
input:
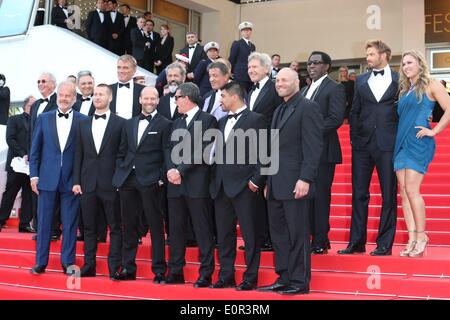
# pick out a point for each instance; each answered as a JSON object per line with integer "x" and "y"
{"x": 424, "y": 76}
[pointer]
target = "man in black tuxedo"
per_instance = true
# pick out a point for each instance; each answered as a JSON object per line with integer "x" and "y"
{"x": 194, "y": 51}
{"x": 126, "y": 93}
{"x": 115, "y": 29}
{"x": 330, "y": 95}
{"x": 18, "y": 140}
{"x": 152, "y": 40}
{"x": 176, "y": 75}
{"x": 235, "y": 186}
{"x": 85, "y": 101}
{"x": 239, "y": 53}
{"x": 140, "y": 167}
{"x": 138, "y": 40}
{"x": 60, "y": 15}
{"x": 299, "y": 126}
{"x": 5, "y": 100}
{"x": 188, "y": 193}
{"x": 93, "y": 170}
{"x": 373, "y": 128}
{"x": 130, "y": 23}
{"x": 96, "y": 25}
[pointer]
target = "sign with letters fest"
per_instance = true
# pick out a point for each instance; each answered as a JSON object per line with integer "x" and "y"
{"x": 437, "y": 21}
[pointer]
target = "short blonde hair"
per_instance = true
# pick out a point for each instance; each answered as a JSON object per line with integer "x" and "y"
{"x": 381, "y": 47}
{"x": 128, "y": 58}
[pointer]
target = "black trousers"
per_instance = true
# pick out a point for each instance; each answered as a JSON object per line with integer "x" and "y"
{"x": 320, "y": 206}
{"x": 133, "y": 197}
{"x": 199, "y": 209}
{"x": 289, "y": 228}
{"x": 363, "y": 163}
{"x": 102, "y": 230}
{"x": 94, "y": 205}
{"x": 228, "y": 211}
{"x": 262, "y": 222}
{"x": 14, "y": 182}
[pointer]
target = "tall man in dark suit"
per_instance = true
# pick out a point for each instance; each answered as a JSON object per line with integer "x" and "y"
{"x": 330, "y": 95}
{"x": 263, "y": 99}
{"x": 194, "y": 51}
{"x": 115, "y": 29}
{"x": 299, "y": 124}
{"x": 373, "y": 127}
{"x": 60, "y": 14}
{"x": 93, "y": 172}
{"x": 140, "y": 167}
{"x": 239, "y": 52}
{"x": 5, "y": 100}
{"x": 130, "y": 23}
{"x": 235, "y": 186}
{"x": 188, "y": 193}
{"x": 152, "y": 41}
{"x": 138, "y": 40}
{"x": 18, "y": 140}
{"x": 51, "y": 174}
{"x": 96, "y": 25}
{"x": 126, "y": 93}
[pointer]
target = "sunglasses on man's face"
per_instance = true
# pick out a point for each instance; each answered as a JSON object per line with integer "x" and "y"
{"x": 177, "y": 97}
{"x": 41, "y": 81}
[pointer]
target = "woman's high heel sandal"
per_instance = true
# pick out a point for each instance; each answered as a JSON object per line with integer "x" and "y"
{"x": 420, "y": 248}
{"x": 409, "y": 247}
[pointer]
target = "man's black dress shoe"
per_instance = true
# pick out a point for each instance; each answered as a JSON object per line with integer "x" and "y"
{"x": 381, "y": 251}
{"x": 80, "y": 238}
{"x": 27, "y": 230}
{"x": 191, "y": 244}
{"x": 175, "y": 279}
{"x": 65, "y": 268}
{"x": 353, "y": 248}
{"x": 34, "y": 237}
{"x": 37, "y": 269}
{"x": 124, "y": 276}
{"x": 319, "y": 250}
{"x": 87, "y": 272}
{"x": 159, "y": 278}
{"x": 246, "y": 286}
{"x": 266, "y": 247}
{"x": 55, "y": 237}
{"x": 273, "y": 287}
{"x": 221, "y": 284}
{"x": 202, "y": 282}
{"x": 293, "y": 290}
{"x": 101, "y": 240}
{"x": 140, "y": 241}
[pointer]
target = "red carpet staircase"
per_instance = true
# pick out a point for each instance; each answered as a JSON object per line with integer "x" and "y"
{"x": 333, "y": 276}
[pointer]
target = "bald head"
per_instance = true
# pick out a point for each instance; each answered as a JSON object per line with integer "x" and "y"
{"x": 149, "y": 100}
{"x": 287, "y": 83}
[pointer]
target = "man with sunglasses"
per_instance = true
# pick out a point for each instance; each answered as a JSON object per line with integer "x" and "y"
{"x": 330, "y": 95}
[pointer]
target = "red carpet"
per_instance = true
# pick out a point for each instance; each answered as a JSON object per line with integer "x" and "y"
{"x": 333, "y": 276}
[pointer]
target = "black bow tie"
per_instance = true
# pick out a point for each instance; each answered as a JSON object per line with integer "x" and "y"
{"x": 191, "y": 47}
{"x": 144, "y": 117}
{"x": 44, "y": 100}
{"x": 184, "y": 116}
{"x": 125, "y": 16}
{"x": 65, "y": 115}
{"x": 375, "y": 73}
{"x": 256, "y": 86}
{"x": 124, "y": 85}
{"x": 103, "y": 116}
{"x": 85, "y": 99}
{"x": 235, "y": 115}
{"x": 64, "y": 8}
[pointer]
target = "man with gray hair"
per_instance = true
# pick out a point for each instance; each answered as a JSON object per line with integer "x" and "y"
{"x": 86, "y": 84}
{"x": 51, "y": 174}
{"x": 176, "y": 75}
{"x": 188, "y": 189}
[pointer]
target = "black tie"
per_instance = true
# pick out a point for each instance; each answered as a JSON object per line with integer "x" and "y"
{"x": 103, "y": 116}
{"x": 124, "y": 85}
{"x": 375, "y": 73}
{"x": 44, "y": 100}
{"x": 183, "y": 118}
{"x": 211, "y": 102}
{"x": 281, "y": 114}
{"x": 125, "y": 16}
{"x": 85, "y": 99}
{"x": 144, "y": 117}
{"x": 191, "y": 47}
{"x": 255, "y": 86}
{"x": 235, "y": 115}
{"x": 65, "y": 115}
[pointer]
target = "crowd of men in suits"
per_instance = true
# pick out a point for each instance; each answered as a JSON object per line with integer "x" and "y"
{"x": 115, "y": 145}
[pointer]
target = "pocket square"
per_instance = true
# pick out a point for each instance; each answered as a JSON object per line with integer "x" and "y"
{"x": 153, "y": 132}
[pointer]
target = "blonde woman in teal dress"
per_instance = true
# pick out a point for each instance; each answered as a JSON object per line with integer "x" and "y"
{"x": 415, "y": 145}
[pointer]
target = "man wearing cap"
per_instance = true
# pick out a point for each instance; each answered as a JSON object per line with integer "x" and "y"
{"x": 194, "y": 51}
{"x": 161, "y": 80}
{"x": 240, "y": 50}
{"x": 201, "y": 76}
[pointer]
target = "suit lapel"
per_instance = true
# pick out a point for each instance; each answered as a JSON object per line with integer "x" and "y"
{"x": 151, "y": 125}
{"x": 114, "y": 98}
{"x": 237, "y": 124}
{"x": 392, "y": 87}
{"x": 135, "y": 131}
{"x": 320, "y": 88}
{"x": 71, "y": 136}
{"x": 261, "y": 95}
{"x": 53, "y": 129}
{"x": 108, "y": 131}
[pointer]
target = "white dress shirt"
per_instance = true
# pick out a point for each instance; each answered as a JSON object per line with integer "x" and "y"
{"x": 314, "y": 86}
{"x": 86, "y": 106}
{"x": 43, "y": 105}
{"x": 113, "y": 16}
{"x": 143, "y": 125}
{"x": 63, "y": 127}
{"x": 232, "y": 121}
{"x": 124, "y": 101}
{"x": 173, "y": 106}
{"x": 101, "y": 15}
{"x": 98, "y": 129}
{"x": 191, "y": 52}
{"x": 126, "y": 19}
{"x": 66, "y": 12}
{"x": 256, "y": 92}
{"x": 380, "y": 83}
{"x": 190, "y": 115}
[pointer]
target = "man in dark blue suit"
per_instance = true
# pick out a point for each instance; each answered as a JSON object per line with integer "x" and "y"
{"x": 373, "y": 128}
{"x": 51, "y": 165}
{"x": 201, "y": 75}
{"x": 240, "y": 50}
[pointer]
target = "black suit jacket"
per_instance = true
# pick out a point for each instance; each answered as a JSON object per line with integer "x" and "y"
{"x": 51, "y": 105}
{"x": 266, "y": 102}
{"x": 331, "y": 97}
{"x": 132, "y": 24}
{"x": 195, "y": 173}
{"x": 164, "y": 51}
{"x": 369, "y": 117}
{"x": 229, "y": 173}
{"x": 136, "y": 93}
{"x": 239, "y": 53}
{"x": 5, "y": 101}
{"x": 199, "y": 55}
{"x": 91, "y": 170}
{"x": 147, "y": 155}
{"x": 164, "y": 108}
{"x": 96, "y": 30}
{"x": 17, "y": 138}
{"x": 58, "y": 17}
{"x": 138, "y": 43}
{"x": 300, "y": 146}
{"x": 118, "y": 27}
{"x": 150, "y": 53}
{"x": 77, "y": 105}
